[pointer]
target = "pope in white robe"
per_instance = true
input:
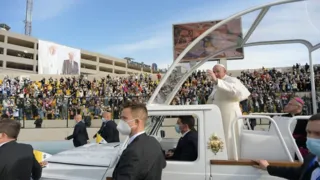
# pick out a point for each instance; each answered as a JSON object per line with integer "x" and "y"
{"x": 227, "y": 94}
{"x": 50, "y": 64}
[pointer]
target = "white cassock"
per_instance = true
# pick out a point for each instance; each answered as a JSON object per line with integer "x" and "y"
{"x": 227, "y": 95}
{"x": 50, "y": 64}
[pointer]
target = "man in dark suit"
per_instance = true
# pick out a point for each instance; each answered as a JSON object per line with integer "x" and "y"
{"x": 108, "y": 130}
{"x": 310, "y": 167}
{"x": 80, "y": 135}
{"x": 17, "y": 160}
{"x": 187, "y": 147}
{"x": 143, "y": 158}
{"x": 70, "y": 66}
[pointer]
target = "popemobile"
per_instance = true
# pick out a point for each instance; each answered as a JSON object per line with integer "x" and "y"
{"x": 97, "y": 161}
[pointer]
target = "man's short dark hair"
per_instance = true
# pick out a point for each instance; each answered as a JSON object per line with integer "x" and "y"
{"x": 138, "y": 109}
{"x": 315, "y": 117}
{"x": 10, "y": 127}
{"x": 188, "y": 120}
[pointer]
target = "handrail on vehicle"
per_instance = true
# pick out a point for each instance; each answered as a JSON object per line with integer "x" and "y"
{"x": 244, "y": 162}
{"x": 267, "y": 114}
{"x": 296, "y": 149}
{"x": 235, "y": 147}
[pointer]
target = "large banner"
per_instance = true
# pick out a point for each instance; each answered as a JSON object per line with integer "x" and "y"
{"x": 227, "y": 35}
{"x": 58, "y": 59}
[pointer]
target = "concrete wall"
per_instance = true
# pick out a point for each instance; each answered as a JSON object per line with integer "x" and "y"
{"x": 26, "y": 45}
{"x": 38, "y": 77}
{"x": 55, "y": 130}
{"x": 29, "y": 124}
{"x": 50, "y": 133}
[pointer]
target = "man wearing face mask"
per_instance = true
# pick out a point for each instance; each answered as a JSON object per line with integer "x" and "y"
{"x": 108, "y": 130}
{"x": 187, "y": 148}
{"x": 309, "y": 170}
{"x": 143, "y": 158}
{"x": 17, "y": 160}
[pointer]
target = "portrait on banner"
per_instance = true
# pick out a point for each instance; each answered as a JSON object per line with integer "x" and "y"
{"x": 227, "y": 35}
{"x": 57, "y": 59}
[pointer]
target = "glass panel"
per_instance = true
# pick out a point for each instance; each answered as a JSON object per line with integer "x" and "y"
{"x": 316, "y": 62}
{"x": 212, "y": 46}
{"x": 280, "y": 23}
{"x": 151, "y": 123}
{"x": 174, "y": 78}
{"x": 168, "y": 126}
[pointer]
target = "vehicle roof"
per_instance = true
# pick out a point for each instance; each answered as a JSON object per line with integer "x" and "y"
{"x": 161, "y": 107}
{"x": 93, "y": 154}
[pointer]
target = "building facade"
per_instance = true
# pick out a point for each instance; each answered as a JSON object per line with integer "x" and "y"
{"x": 19, "y": 55}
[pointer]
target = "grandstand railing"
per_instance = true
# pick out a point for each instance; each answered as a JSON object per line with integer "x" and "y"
{"x": 58, "y": 112}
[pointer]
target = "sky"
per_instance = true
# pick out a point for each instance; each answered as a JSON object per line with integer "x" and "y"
{"x": 142, "y": 29}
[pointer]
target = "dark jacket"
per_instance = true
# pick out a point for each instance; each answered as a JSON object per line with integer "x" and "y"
{"x": 17, "y": 162}
{"x": 187, "y": 148}
{"x": 68, "y": 68}
{"x": 141, "y": 160}
{"x": 303, "y": 172}
{"x": 109, "y": 132}
{"x": 79, "y": 135}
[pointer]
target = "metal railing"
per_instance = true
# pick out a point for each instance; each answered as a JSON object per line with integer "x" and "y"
{"x": 263, "y": 114}
{"x": 234, "y": 138}
{"x": 296, "y": 118}
{"x": 61, "y": 109}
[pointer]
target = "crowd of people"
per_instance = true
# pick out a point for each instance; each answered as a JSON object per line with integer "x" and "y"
{"x": 271, "y": 89}
{"x": 63, "y": 98}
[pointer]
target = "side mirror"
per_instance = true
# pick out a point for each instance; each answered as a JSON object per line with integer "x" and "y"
{"x": 162, "y": 133}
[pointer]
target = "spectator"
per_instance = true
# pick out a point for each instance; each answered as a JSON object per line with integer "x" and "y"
{"x": 62, "y": 98}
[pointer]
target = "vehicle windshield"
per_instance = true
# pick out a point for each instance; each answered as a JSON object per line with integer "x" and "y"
{"x": 174, "y": 78}
{"x": 151, "y": 124}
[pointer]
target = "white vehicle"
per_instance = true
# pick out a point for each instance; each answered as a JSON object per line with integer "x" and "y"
{"x": 97, "y": 161}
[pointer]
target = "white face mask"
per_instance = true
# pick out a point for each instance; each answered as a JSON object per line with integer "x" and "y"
{"x": 104, "y": 120}
{"x": 124, "y": 128}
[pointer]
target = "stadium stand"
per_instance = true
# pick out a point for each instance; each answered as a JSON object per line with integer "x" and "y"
{"x": 19, "y": 55}
{"x": 62, "y": 98}
{"x": 109, "y": 81}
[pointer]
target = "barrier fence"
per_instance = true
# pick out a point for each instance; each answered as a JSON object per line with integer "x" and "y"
{"x": 40, "y": 112}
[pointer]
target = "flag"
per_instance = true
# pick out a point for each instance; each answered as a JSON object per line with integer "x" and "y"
{"x": 38, "y": 155}
{"x": 100, "y": 140}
